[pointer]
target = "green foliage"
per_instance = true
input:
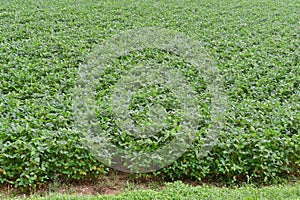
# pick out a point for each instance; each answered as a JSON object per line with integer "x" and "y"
{"x": 254, "y": 44}
{"x": 147, "y": 95}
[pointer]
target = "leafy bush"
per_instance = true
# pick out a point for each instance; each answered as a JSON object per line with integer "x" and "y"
{"x": 254, "y": 45}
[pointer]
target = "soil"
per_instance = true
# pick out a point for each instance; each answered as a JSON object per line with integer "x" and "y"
{"x": 110, "y": 184}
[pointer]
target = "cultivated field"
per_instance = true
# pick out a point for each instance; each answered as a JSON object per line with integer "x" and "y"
{"x": 253, "y": 45}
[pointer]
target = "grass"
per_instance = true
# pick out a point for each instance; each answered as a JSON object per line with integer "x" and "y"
{"x": 178, "y": 190}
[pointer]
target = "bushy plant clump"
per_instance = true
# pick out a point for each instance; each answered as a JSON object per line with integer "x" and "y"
{"x": 255, "y": 46}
